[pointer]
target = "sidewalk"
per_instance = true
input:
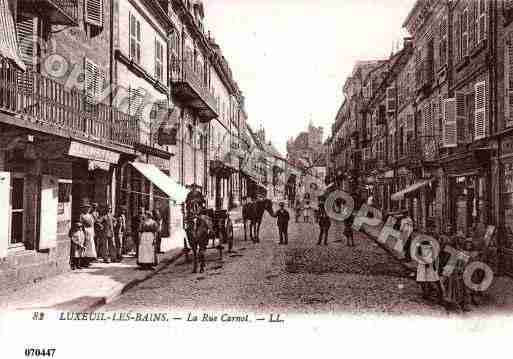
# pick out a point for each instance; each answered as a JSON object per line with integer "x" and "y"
{"x": 87, "y": 289}
{"x": 83, "y": 289}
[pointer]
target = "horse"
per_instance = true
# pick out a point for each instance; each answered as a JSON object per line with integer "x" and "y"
{"x": 256, "y": 214}
{"x": 197, "y": 238}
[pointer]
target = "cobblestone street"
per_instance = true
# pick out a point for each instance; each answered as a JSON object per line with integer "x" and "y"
{"x": 300, "y": 278}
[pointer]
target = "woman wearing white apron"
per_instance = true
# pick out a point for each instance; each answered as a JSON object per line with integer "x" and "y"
{"x": 147, "y": 256}
{"x": 87, "y": 221}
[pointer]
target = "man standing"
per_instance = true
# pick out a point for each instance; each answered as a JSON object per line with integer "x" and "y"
{"x": 97, "y": 229}
{"x": 108, "y": 222}
{"x": 119, "y": 232}
{"x": 283, "y": 223}
{"x": 324, "y": 225}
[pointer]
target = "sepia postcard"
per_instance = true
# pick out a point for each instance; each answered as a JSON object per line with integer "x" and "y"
{"x": 240, "y": 178}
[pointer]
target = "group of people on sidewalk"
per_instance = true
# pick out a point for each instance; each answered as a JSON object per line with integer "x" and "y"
{"x": 100, "y": 234}
{"x": 449, "y": 287}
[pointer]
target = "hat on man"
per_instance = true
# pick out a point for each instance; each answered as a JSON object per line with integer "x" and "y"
{"x": 282, "y": 204}
{"x": 85, "y": 203}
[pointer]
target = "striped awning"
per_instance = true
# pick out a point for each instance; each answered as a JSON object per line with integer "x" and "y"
{"x": 8, "y": 40}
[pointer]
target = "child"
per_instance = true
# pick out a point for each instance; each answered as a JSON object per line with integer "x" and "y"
{"x": 298, "y": 211}
{"x": 306, "y": 212}
{"x": 77, "y": 236}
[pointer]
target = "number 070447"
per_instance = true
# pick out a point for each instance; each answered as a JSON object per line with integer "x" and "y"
{"x": 39, "y": 352}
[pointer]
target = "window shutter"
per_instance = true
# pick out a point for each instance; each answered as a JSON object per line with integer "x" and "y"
{"x": 508, "y": 70}
{"x": 391, "y": 94}
{"x": 5, "y": 218}
{"x": 464, "y": 33}
{"x": 443, "y": 42}
{"x": 430, "y": 62}
{"x": 48, "y": 216}
{"x": 449, "y": 123}
{"x": 461, "y": 117}
{"x": 472, "y": 23}
{"x": 435, "y": 111}
{"x": 94, "y": 12}
{"x": 26, "y": 32}
{"x": 481, "y": 25}
{"x": 457, "y": 36}
{"x": 480, "y": 120}
{"x": 90, "y": 85}
{"x": 428, "y": 120}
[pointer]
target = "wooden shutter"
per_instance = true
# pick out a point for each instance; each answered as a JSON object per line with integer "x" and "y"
{"x": 26, "y": 30}
{"x": 391, "y": 95}
{"x": 94, "y": 12}
{"x": 94, "y": 81}
{"x": 449, "y": 123}
{"x": 5, "y": 217}
{"x": 428, "y": 120}
{"x": 481, "y": 21}
{"x": 464, "y": 33}
{"x": 430, "y": 62}
{"x": 480, "y": 120}
{"x": 48, "y": 213}
{"x": 461, "y": 117}
{"x": 436, "y": 117}
{"x": 508, "y": 71}
{"x": 457, "y": 36}
{"x": 443, "y": 42}
{"x": 472, "y": 23}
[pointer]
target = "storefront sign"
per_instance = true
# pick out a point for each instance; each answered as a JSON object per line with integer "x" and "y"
{"x": 82, "y": 150}
{"x": 98, "y": 165}
{"x": 159, "y": 162}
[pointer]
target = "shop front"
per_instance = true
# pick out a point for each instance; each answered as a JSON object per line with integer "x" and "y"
{"x": 468, "y": 192}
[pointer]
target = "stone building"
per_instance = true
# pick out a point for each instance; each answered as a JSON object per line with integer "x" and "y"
{"x": 115, "y": 102}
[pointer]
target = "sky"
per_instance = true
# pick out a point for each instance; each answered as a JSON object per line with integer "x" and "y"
{"x": 291, "y": 57}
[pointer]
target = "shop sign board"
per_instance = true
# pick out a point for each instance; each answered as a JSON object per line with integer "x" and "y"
{"x": 82, "y": 150}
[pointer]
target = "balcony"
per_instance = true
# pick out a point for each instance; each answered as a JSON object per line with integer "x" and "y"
{"x": 37, "y": 102}
{"x": 420, "y": 150}
{"x": 57, "y": 12}
{"x": 189, "y": 87}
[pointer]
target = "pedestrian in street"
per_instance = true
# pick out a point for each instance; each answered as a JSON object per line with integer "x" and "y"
{"x": 348, "y": 230}
{"x": 137, "y": 220}
{"x": 107, "y": 221}
{"x": 283, "y": 223}
{"x": 307, "y": 211}
{"x": 158, "y": 218}
{"x": 147, "y": 255}
{"x": 324, "y": 225}
{"x": 427, "y": 271}
{"x": 77, "y": 237}
{"x": 120, "y": 233}
{"x": 298, "y": 210}
{"x": 87, "y": 221}
{"x": 95, "y": 213}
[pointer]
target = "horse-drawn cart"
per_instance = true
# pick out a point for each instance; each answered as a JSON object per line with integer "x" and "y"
{"x": 206, "y": 226}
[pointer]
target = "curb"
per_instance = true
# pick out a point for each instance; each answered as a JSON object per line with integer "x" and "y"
{"x": 117, "y": 290}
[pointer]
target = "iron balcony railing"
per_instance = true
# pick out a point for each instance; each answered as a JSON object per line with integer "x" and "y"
{"x": 39, "y": 100}
{"x": 422, "y": 148}
{"x": 194, "y": 80}
{"x": 58, "y": 12}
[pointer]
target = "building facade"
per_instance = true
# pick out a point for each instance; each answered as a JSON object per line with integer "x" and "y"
{"x": 103, "y": 101}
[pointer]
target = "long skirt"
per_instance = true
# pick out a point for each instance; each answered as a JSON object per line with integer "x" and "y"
{"x": 454, "y": 289}
{"x": 90, "y": 248}
{"x": 147, "y": 254}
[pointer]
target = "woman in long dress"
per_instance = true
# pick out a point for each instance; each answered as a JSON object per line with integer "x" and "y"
{"x": 147, "y": 256}
{"x": 87, "y": 221}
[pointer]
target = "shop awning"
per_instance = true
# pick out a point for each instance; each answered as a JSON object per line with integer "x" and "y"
{"x": 174, "y": 190}
{"x": 8, "y": 39}
{"x": 410, "y": 189}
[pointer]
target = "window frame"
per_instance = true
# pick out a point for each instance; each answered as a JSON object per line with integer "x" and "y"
{"x": 20, "y": 244}
{"x": 159, "y": 60}
{"x": 134, "y": 33}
